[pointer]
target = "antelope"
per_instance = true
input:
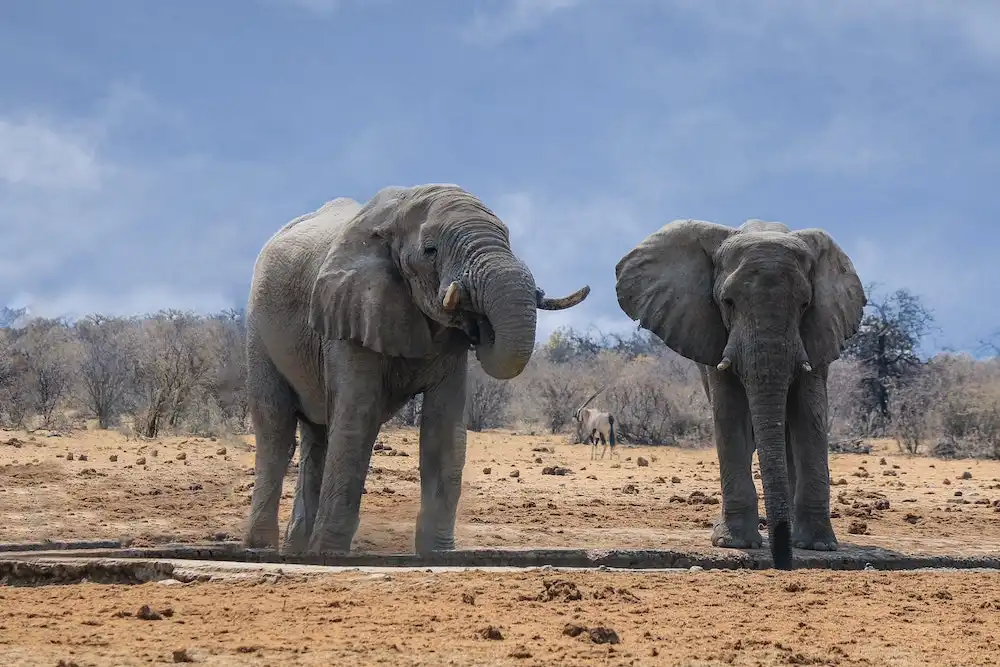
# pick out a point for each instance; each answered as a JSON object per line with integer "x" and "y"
{"x": 597, "y": 424}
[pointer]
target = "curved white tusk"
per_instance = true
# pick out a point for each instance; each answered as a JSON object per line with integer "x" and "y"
{"x": 451, "y": 297}
{"x": 807, "y": 367}
{"x": 545, "y": 303}
{"x": 724, "y": 364}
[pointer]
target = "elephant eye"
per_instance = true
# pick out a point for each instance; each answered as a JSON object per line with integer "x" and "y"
{"x": 728, "y": 303}
{"x": 430, "y": 251}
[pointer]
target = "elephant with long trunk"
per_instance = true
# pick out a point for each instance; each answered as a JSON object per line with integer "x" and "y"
{"x": 355, "y": 309}
{"x": 764, "y": 311}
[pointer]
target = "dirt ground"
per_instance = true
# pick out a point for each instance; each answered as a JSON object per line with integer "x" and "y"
{"x": 474, "y": 618}
{"x": 194, "y": 489}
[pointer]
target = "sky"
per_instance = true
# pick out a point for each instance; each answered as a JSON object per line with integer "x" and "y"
{"x": 148, "y": 150}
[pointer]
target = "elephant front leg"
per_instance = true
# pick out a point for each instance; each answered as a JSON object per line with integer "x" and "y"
{"x": 442, "y": 459}
{"x": 807, "y": 425}
{"x": 736, "y": 527}
{"x": 355, "y": 415}
{"x": 312, "y": 459}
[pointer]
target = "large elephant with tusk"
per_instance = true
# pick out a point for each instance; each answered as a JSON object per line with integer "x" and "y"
{"x": 763, "y": 310}
{"x": 355, "y": 309}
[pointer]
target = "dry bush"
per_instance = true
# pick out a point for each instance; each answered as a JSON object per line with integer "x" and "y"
{"x": 846, "y": 404}
{"x": 174, "y": 363}
{"x": 548, "y": 393}
{"x": 967, "y": 406}
{"x": 108, "y": 366}
{"x": 47, "y": 356}
{"x": 660, "y": 400}
{"x": 486, "y": 399}
{"x": 15, "y": 394}
{"x": 911, "y": 406}
{"x": 226, "y": 383}
{"x": 182, "y": 373}
{"x": 655, "y": 399}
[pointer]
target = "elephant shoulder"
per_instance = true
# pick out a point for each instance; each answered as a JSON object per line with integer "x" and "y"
{"x": 294, "y": 254}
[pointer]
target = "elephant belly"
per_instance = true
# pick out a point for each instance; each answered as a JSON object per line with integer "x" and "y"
{"x": 297, "y": 356}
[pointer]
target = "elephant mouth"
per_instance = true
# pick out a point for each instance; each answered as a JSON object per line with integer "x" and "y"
{"x": 476, "y": 328}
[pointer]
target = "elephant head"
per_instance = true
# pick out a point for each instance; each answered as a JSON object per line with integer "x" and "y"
{"x": 762, "y": 302}
{"x": 415, "y": 264}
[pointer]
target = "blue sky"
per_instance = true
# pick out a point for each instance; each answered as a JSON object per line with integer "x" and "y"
{"x": 148, "y": 150}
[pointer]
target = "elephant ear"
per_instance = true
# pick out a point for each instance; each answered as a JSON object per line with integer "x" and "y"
{"x": 838, "y": 300}
{"x": 666, "y": 283}
{"x": 359, "y": 293}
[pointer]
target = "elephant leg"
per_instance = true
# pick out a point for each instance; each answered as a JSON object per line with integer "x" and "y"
{"x": 312, "y": 458}
{"x": 737, "y": 524}
{"x": 272, "y": 412}
{"x": 356, "y": 409}
{"x": 442, "y": 459}
{"x": 807, "y": 422}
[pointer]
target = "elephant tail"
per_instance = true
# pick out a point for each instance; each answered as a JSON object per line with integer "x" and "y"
{"x": 611, "y": 430}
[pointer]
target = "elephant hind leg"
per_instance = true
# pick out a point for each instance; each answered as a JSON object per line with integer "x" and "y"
{"x": 272, "y": 412}
{"x": 312, "y": 459}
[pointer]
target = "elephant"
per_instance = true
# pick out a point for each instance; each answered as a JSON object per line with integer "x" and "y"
{"x": 353, "y": 310}
{"x": 763, "y": 310}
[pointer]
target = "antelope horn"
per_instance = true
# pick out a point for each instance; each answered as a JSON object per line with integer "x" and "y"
{"x": 587, "y": 402}
{"x": 545, "y": 303}
{"x": 452, "y": 296}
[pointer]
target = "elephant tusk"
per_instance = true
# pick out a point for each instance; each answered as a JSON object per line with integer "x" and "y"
{"x": 451, "y": 297}
{"x": 807, "y": 367}
{"x": 545, "y": 303}
{"x": 724, "y": 364}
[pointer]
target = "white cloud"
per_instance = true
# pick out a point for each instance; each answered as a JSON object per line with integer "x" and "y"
{"x": 896, "y": 28}
{"x": 324, "y": 8}
{"x": 319, "y": 7}
{"x": 85, "y": 227}
{"x": 513, "y": 18}
{"x": 38, "y": 155}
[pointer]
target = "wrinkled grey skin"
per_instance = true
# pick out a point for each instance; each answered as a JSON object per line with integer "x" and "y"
{"x": 764, "y": 311}
{"x": 355, "y": 309}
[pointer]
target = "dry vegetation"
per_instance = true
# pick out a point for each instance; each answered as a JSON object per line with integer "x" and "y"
{"x": 176, "y": 373}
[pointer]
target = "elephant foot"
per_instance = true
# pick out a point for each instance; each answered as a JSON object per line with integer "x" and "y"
{"x": 814, "y": 533}
{"x": 260, "y": 539}
{"x": 296, "y": 541}
{"x": 737, "y": 531}
{"x": 424, "y": 543}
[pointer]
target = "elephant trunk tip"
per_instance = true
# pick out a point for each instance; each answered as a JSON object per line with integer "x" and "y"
{"x": 781, "y": 545}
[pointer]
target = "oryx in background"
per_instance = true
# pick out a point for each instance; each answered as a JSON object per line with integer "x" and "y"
{"x": 597, "y": 424}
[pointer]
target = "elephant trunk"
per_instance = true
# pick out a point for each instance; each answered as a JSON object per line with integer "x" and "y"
{"x": 506, "y": 295}
{"x": 767, "y": 414}
{"x": 766, "y": 369}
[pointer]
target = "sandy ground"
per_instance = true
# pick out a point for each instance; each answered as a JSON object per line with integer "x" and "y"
{"x": 524, "y": 618}
{"x": 193, "y": 489}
